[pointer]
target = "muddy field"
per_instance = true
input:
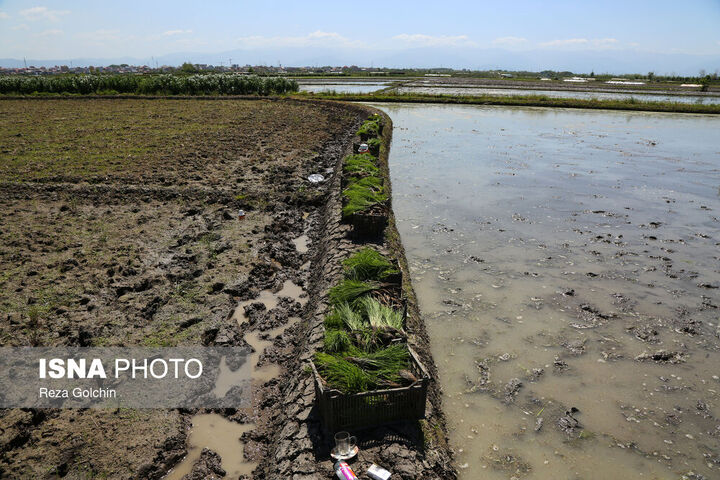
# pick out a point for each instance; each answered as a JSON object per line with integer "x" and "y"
{"x": 120, "y": 228}
{"x": 567, "y": 265}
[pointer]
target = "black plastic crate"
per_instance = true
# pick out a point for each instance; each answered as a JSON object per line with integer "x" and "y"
{"x": 368, "y": 226}
{"x": 340, "y": 411}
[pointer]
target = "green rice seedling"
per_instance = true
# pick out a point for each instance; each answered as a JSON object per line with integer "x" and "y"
{"x": 388, "y": 366}
{"x": 374, "y": 145}
{"x": 350, "y": 290}
{"x": 334, "y": 321}
{"x": 336, "y": 341}
{"x": 368, "y": 264}
{"x": 366, "y": 340}
{"x": 351, "y": 319}
{"x": 371, "y": 127}
{"x": 384, "y": 362}
{"x": 363, "y": 194}
{"x": 343, "y": 375}
{"x": 360, "y": 164}
{"x": 379, "y": 315}
{"x": 356, "y": 370}
{"x": 370, "y": 182}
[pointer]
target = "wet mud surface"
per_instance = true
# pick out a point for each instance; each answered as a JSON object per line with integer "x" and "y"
{"x": 117, "y": 237}
{"x": 567, "y": 266}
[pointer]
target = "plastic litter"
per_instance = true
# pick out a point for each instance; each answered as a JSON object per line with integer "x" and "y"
{"x": 344, "y": 472}
{"x": 316, "y": 178}
{"x": 363, "y": 148}
{"x": 378, "y": 473}
{"x": 241, "y": 214}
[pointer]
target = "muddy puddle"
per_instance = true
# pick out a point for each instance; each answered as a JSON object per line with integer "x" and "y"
{"x": 270, "y": 299}
{"x": 567, "y": 264}
{"x": 217, "y": 433}
{"x": 644, "y": 97}
{"x": 221, "y": 436}
{"x": 228, "y": 377}
{"x": 302, "y": 243}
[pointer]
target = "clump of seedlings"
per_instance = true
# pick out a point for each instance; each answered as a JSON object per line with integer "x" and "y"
{"x": 374, "y": 146}
{"x": 365, "y": 344}
{"x": 360, "y": 165}
{"x": 370, "y": 128}
{"x": 365, "y": 187}
{"x": 349, "y": 290}
{"x": 369, "y": 264}
{"x": 362, "y": 194}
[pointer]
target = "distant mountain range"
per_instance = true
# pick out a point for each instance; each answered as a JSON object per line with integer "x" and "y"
{"x": 599, "y": 61}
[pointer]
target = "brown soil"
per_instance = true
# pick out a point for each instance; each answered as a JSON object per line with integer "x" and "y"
{"x": 121, "y": 228}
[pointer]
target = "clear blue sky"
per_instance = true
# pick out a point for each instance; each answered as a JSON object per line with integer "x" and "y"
{"x": 72, "y": 29}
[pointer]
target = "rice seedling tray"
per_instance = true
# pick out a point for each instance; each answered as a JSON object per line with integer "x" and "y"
{"x": 340, "y": 411}
{"x": 368, "y": 225}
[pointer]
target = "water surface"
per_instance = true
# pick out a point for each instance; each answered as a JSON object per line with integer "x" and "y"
{"x": 342, "y": 87}
{"x": 567, "y": 261}
{"x": 644, "y": 97}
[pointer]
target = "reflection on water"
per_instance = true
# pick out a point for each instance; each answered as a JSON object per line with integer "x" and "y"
{"x": 644, "y": 97}
{"x": 567, "y": 265}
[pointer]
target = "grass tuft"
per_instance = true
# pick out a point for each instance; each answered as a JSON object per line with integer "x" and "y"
{"x": 351, "y": 319}
{"x": 356, "y": 371}
{"x": 374, "y": 143}
{"x": 343, "y": 375}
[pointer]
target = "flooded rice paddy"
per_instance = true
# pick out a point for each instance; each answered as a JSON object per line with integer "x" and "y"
{"x": 587, "y": 95}
{"x": 342, "y": 86}
{"x": 567, "y": 265}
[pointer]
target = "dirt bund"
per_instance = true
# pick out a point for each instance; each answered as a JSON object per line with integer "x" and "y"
{"x": 289, "y": 428}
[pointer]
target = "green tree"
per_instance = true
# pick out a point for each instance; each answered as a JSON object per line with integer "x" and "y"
{"x": 705, "y": 82}
{"x": 188, "y": 68}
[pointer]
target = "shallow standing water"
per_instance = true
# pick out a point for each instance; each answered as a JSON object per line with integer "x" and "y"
{"x": 567, "y": 265}
{"x": 342, "y": 86}
{"x": 587, "y": 95}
